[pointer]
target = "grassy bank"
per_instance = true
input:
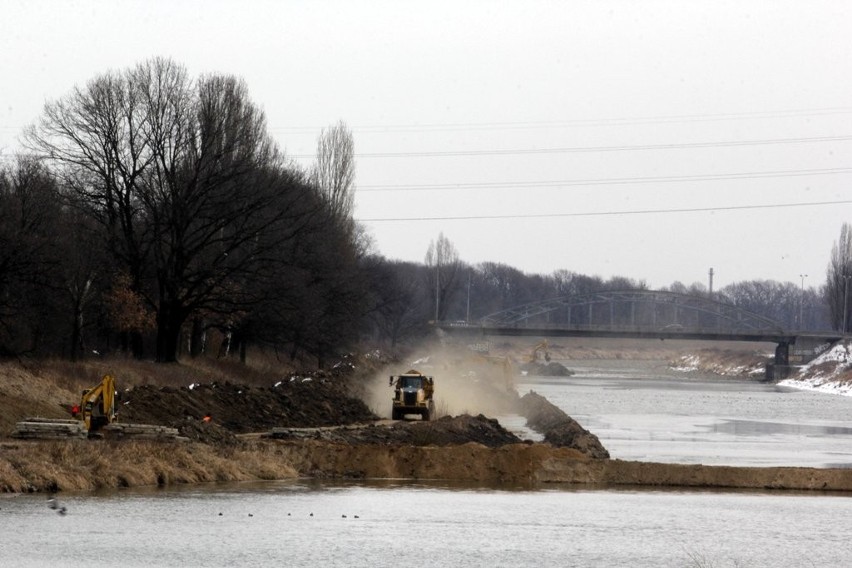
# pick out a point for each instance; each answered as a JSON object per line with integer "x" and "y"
{"x": 82, "y": 465}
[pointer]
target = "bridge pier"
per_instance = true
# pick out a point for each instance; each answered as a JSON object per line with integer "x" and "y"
{"x": 804, "y": 350}
{"x": 780, "y": 368}
{"x": 782, "y": 354}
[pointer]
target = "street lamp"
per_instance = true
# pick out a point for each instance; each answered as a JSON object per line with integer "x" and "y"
{"x": 802, "y": 300}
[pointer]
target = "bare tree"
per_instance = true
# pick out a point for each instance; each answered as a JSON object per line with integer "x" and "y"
{"x": 84, "y": 271}
{"x": 776, "y": 300}
{"x": 505, "y": 284}
{"x": 29, "y": 215}
{"x": 399, "y": 309}
{"x": 837, "y": 282}
{"x": 97, "y": 141}
{"x": 185, "y": 181}
{"x": 444, "y": 265}
{"x": 334, "y": 172}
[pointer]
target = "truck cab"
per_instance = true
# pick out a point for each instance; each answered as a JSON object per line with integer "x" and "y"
{"x": 413, "y": 394}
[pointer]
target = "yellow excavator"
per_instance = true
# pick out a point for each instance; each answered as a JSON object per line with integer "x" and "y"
{"x": 97, "y": 407}
{"x": 541, "y": 347}
{"x": 95, "y": 417}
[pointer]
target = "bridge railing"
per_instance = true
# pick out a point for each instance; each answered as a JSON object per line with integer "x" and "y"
{"x": 622, "y": 328}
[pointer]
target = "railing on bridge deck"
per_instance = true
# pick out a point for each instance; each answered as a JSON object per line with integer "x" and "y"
{"x": 642, "y": 308}
{"x": 646, "y": 314}
{"x": 670, "y": 331}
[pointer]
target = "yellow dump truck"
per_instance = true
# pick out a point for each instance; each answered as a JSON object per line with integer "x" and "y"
{"x": 413, "y": 394}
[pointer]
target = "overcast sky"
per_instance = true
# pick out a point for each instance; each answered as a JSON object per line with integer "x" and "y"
{"x": 647, "y": 139}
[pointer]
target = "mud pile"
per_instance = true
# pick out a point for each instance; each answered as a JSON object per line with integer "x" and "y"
{"x": 558, "y": 428}
{"x": 307, "y": 401}
{"x": 551, "y": 369}
{"x": 446, "y": 431}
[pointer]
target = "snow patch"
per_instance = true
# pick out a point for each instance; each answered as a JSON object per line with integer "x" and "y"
{"x": 693, "y": 362}
{"x": 688, "y": 363}
{"x": 838, "y": 354}
{"x": 825, "y": 373}
{"x": 818, "y": 384}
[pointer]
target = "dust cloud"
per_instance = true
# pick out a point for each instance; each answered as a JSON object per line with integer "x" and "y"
{"x": 465, "y": 382}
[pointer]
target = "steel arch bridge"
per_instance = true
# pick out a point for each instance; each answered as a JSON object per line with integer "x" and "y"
{"x": 636, "y": 309}
{"x": 646, "y": 314}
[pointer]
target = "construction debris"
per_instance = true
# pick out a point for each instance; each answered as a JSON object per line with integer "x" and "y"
{"x": 35, "y": 428}
{"x": 140, "y": 431}
{"x": 49, "y": 428}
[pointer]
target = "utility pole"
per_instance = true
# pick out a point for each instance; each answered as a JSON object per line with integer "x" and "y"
{"x": 437, "y": 288}
{"x": 846, "y": 278}
{"x": 710, "y": 287}
{"x": 467, "y": 319}
{"x": 802, "y": 301}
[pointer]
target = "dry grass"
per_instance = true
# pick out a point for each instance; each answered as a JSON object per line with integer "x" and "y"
{"x": 48, "y": 388}
{"x": 132, "y": 372}
{"x": 84, "y": 465}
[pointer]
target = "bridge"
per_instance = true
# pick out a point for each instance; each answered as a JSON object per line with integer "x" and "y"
{"x": 645, "y": 314}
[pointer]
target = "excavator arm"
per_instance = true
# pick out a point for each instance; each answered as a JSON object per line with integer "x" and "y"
{"x": 98, "y": 404}
{"x": 539, "y": 348}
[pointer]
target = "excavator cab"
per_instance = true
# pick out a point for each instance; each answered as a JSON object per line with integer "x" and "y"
{"x": 540, "y": 348}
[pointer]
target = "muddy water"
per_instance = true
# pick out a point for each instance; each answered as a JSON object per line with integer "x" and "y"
{"x": 646, "y": 412}
{"x": 637, "y": 414}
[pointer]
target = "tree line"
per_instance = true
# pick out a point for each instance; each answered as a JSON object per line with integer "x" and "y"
{"x": 153, "y": 214}
{"x": 154, "y": 207}
{"x": 447, "y": 289}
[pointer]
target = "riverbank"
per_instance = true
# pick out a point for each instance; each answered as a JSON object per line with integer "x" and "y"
{"x": 317, "y": 407}
{"x": 83, "y": 465}
{"x": 831, "y": 372}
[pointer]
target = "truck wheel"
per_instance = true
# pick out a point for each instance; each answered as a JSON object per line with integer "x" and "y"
{"x": 395, "y": 414}
{"x": 425, "y": 414}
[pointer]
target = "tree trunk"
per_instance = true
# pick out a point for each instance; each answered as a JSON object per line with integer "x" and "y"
{"x": 169, "y": 321}
{"x": 76, "y": 334}
{"x": 131, "y": 342}
{"x": 198, "y": 338}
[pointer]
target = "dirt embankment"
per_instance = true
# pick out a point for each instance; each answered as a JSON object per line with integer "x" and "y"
{"x": 535, "y": 464}
{"x": 445, "y": 431}
{"x": 559, "y": 429}
{"x": 328, "y": 433}
{"x": 87, "y": 465}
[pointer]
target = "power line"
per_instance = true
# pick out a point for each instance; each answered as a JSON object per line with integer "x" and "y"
{"x": 607, "y": 181}
{"x": 615, "y": 121}
{"x": 607, "y": 213}
{"x": 522, "y": 125}
{"x": 577, "y": 149}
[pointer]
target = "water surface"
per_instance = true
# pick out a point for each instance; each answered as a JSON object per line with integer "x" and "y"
{"x": 647, "y": 412}
{"x": 404, "y": 524}
{"x": 639, "y": 410}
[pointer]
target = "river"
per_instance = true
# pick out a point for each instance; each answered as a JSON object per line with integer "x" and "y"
{"x": 644, "y": 411}
{"x": 639, "y": 410}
